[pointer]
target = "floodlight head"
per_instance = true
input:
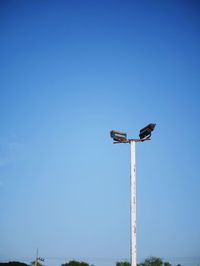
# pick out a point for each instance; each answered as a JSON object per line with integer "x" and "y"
{"x": 145, "y": 133}
{"x": 41, "y": 259}
{"x": 118, "y": 136}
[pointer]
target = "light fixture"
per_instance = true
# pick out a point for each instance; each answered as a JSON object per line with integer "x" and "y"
{"x": 118, "y": 136}
{"x": 145, "y": 133}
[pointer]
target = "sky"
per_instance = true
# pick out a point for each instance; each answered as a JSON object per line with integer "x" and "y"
{"x": 71, "y": 71}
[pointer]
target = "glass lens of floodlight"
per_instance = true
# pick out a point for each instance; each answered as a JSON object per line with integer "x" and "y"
{"x": 118, "y": 136}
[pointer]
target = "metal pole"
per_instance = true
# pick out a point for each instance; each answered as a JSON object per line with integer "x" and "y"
{"x": 36, "y": 264}
{"x": 133, "y": 204}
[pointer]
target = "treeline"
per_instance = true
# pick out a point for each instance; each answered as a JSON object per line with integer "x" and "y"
{"x": 152, "y": 261}
{"x": 13, "y": 263}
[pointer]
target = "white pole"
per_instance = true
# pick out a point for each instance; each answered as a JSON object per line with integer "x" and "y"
{"x": 133, "y": 204}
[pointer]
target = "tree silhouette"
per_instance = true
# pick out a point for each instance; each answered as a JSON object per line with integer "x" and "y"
{"x": 123, "y": 263}
{"x": 75, "y": 263}
{"x": 13, "y": 263}
{"x": 152, "y": 261}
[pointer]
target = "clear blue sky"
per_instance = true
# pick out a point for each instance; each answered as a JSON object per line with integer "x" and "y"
{"x": 70, "y": 71}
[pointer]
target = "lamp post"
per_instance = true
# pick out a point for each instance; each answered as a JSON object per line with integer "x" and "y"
{"x": 38, "y": 259}
{"x": 121, "y": 137}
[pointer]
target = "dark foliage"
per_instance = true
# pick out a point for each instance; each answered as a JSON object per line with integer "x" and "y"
{"x": 152, "y": 261}
{"x": 123, "y": 263}
{"x": 75, "y": 263}
{"x": 13, "y": 263}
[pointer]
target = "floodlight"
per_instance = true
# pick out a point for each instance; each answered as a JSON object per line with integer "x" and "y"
{"x": 118, "y": 136}
{"x": 145, "y": 132}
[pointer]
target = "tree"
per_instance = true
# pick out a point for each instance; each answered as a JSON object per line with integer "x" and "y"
{"x": 75, "y": 263}
{"x": 152, "y": 261}
{"x": 123, "y": 263}
{"x": 13, "y": 263}
{"x": 167, "y": 264}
